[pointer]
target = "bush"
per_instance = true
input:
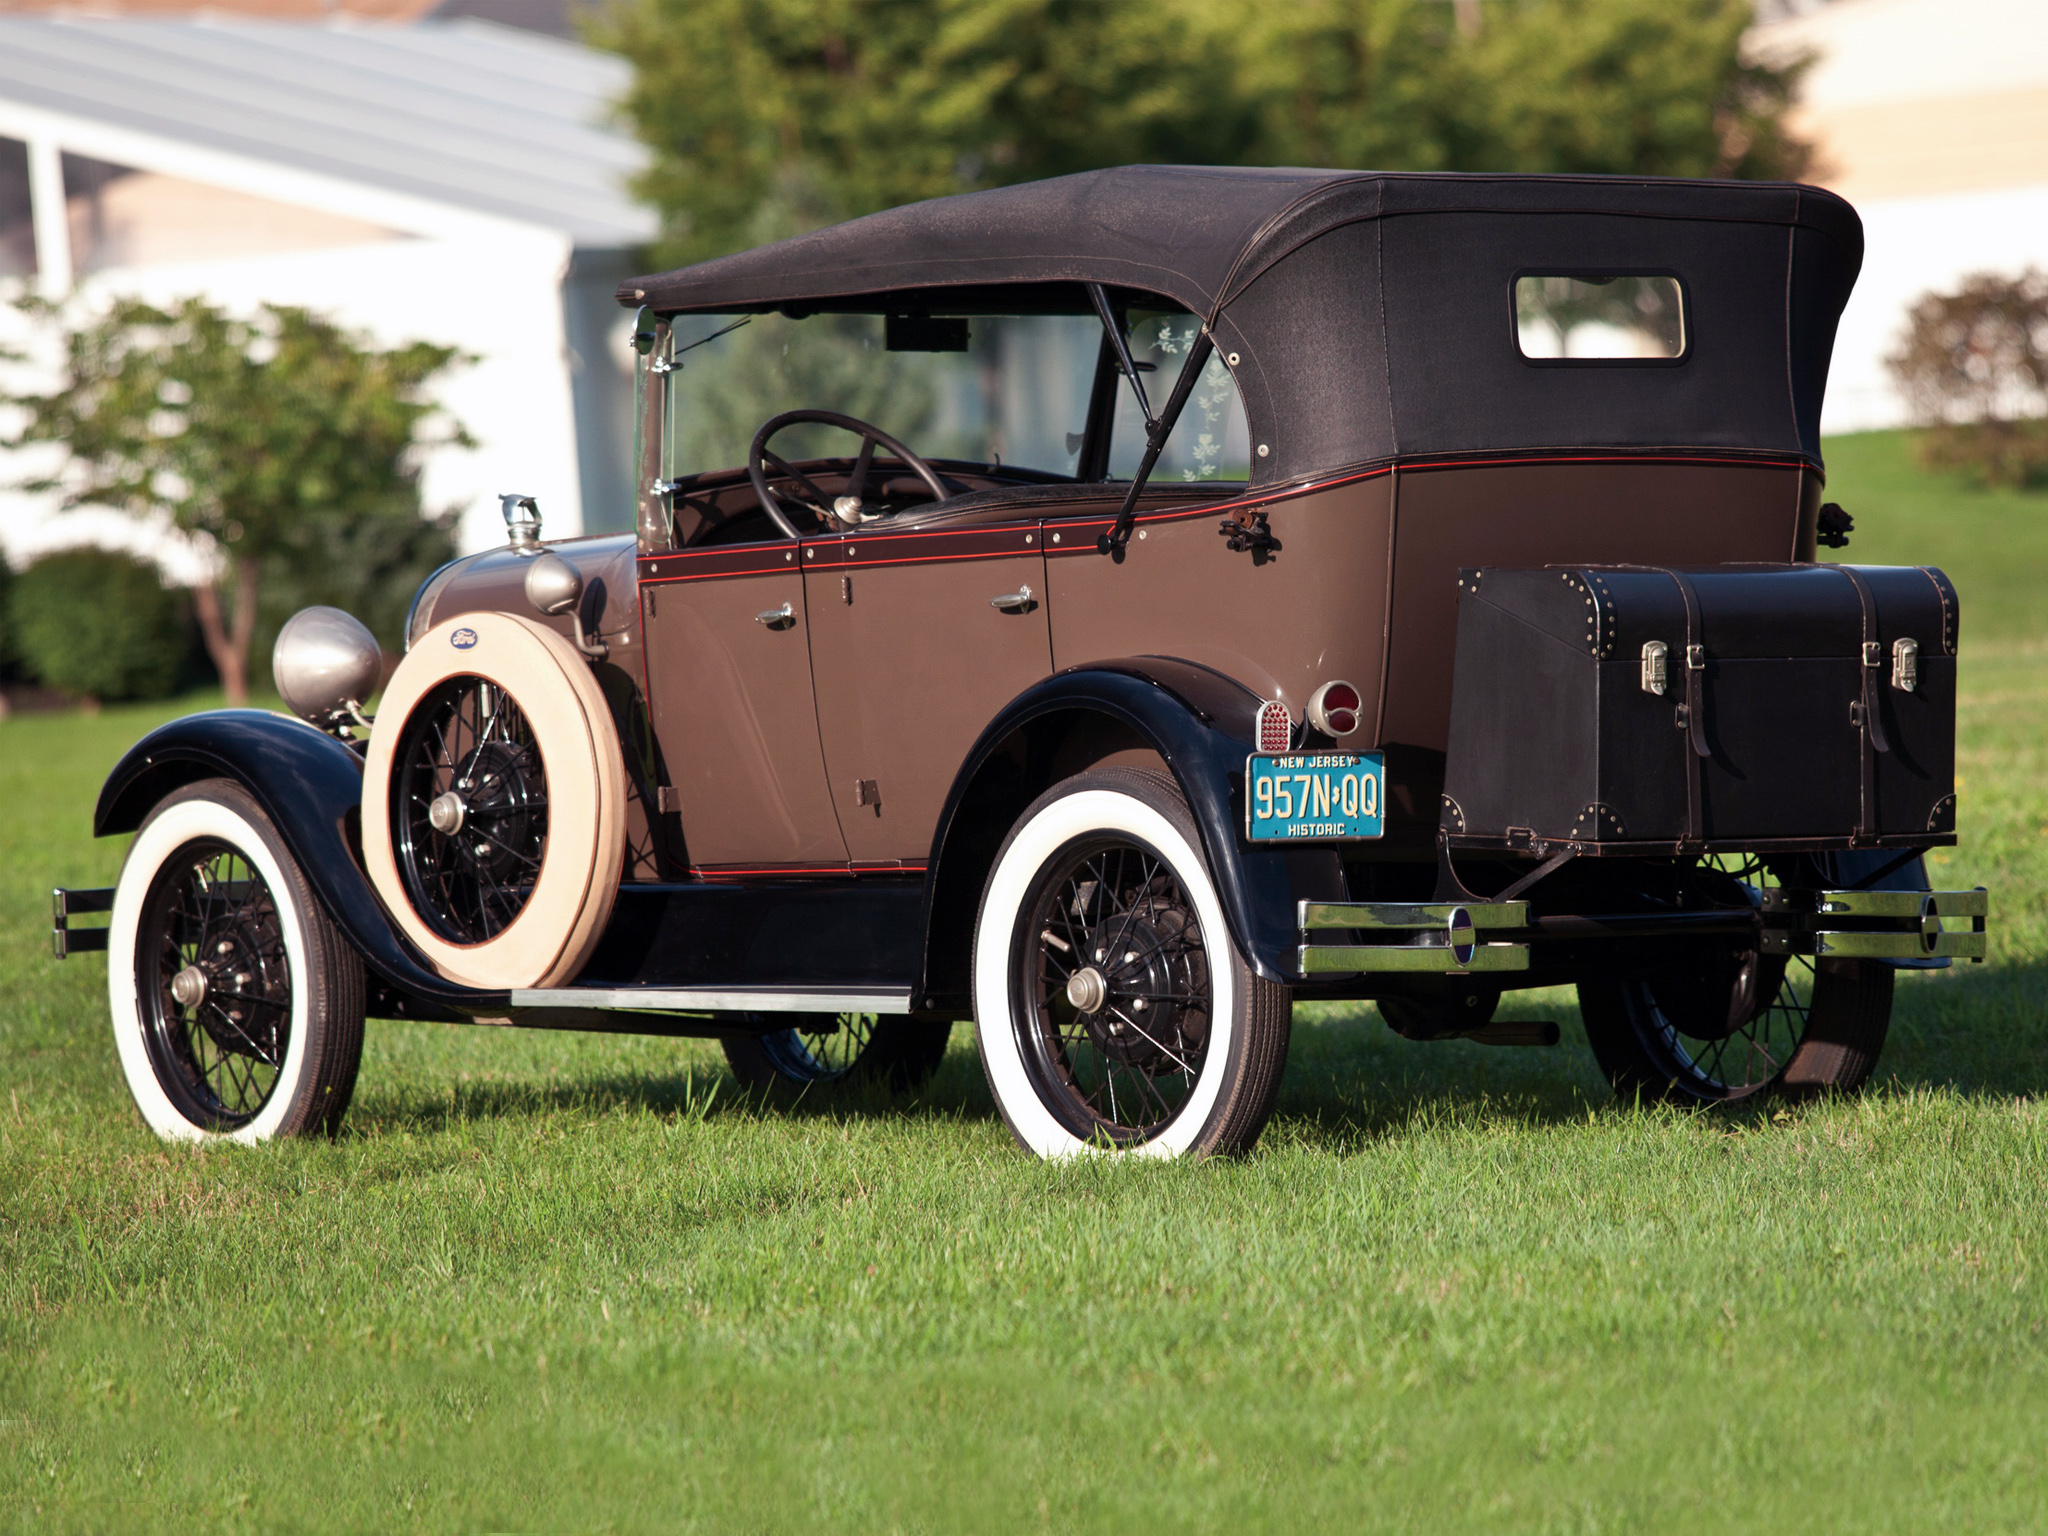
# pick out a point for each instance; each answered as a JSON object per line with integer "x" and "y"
{"x": 1974, "y": 368}
{"x": 99, "y": 624}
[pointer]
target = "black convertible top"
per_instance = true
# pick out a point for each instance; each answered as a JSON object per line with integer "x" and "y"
{"x": 1371, "y": 313}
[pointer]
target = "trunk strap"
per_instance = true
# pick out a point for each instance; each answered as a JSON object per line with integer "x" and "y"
{"x": 1869, "y": 712}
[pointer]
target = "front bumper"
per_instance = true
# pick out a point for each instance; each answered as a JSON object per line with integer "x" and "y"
{"x": 66, "y": 940}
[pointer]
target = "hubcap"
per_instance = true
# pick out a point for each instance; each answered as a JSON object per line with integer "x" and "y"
{"x": 446, "y": 813}
{"x": 1087, "y": 991}
{"x": 188, "y": 987}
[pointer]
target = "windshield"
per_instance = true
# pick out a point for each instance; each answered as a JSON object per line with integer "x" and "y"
{"x": 1015, "y": 395}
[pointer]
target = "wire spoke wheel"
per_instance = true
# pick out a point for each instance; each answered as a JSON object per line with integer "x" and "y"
{"x": 1736, "y": 1022}
{"x": 823, "y": 1049}
{"x": 470, "y": 810}
{"x": 819, "y": 1048}
{"x": 216, "y": 992}
{"x": 1113, "y": 996}
{"x": 1750, "y": 1054}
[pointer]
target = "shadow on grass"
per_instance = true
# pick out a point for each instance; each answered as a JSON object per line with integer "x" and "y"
{"x": 702, "y": 1091}
{"x": 1978, "y": 1031}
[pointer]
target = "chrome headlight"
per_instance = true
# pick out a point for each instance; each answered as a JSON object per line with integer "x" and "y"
{"x": 326, "y": 664}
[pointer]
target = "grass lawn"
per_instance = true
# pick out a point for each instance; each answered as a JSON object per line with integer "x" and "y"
{"x": 573, "y": 1282}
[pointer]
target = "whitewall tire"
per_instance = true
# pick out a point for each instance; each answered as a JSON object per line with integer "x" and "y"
{"x": 237, "y": 1006}
{"x": 1113, "y": 1010}
{"x": 494, "y": 803}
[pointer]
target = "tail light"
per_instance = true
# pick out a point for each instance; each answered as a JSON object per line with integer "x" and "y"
{"x": 1334, "y": 709}
{"x": 1276, "y": 729}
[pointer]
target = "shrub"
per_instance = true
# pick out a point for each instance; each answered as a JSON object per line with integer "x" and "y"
{"x": 99, "y": 624}
{"x": 1974, "y": 369}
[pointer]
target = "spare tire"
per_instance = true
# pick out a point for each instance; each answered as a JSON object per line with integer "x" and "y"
{"x": 494, "y": 799}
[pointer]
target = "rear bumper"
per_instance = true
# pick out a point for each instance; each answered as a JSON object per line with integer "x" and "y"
{"x": 1493, "y": 937}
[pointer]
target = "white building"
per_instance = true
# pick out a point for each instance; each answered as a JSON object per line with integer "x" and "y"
{"x": 1931, "y": 116}
{"x": 453, "y": 182}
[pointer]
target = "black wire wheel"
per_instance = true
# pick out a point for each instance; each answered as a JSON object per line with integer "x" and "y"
{"x": 217, "y": 1003}
{"x": 1114, "y": 1010}
{"x": 836, "y": 1047}
{"x": 1732, "y": 1022}
{"x": 469, "y": 810}
{"x": 238, "y": 1009}
{"x": 1113, "y": 996}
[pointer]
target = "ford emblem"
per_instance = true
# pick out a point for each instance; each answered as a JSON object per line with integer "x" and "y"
{"x": 462, "y": 639}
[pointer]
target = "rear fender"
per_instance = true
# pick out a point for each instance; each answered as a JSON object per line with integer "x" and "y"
{"x": 1201, "y": 724}
{"x": 311, "y": 786}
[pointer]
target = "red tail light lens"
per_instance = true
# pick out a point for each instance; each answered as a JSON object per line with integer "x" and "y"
{"x": 1276, "y": 729}
{"x": 1335, "y": 709}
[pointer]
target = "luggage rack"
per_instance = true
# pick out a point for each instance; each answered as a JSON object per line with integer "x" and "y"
{"x": 1470, "y": 937}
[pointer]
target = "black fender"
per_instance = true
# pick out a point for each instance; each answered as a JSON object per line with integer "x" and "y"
{"x": 311, "y": 787}
{"x": 1201, "y": 723}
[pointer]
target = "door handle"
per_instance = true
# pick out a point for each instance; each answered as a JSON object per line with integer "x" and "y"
{"x": 777, "y": 618}
{"x": 1019, "y": 601}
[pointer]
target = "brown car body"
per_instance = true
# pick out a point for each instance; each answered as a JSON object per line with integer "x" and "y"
{"x": 835, "y": 725}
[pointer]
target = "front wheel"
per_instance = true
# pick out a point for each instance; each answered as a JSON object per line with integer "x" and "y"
{"x": 1113, "y": 1009}
{"x": 237, "y": 1005}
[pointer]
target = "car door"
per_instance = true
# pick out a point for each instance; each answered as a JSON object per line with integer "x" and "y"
{"x": 729, "y": 685}
{"x": 918, "y": 639}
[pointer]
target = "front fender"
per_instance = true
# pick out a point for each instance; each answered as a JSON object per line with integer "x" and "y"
{"x": 309, "y": 785}
{"x": 1201, "y": 724}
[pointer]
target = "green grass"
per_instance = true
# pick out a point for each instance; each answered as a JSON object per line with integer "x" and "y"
{"x": 573, "y": 1282}
{"x": 1992, "y": 543}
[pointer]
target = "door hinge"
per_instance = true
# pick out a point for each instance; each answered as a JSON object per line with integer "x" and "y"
{"x": 868, "y": 792}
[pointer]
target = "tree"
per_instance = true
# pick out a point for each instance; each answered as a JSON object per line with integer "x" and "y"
{"x": 269, "y": 437}
{"x": 888, "y": 101}
{"x": 1973, "y": 365}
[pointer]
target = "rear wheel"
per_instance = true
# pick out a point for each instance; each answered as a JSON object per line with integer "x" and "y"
{"x": 1733, "y": 1023}
{"x": 1113, "y": 1009}
{"x": 838, "y": 1047}
{"x": 237, "y": 1006}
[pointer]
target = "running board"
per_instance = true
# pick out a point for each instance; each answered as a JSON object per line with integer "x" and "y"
{"x": 716, "y": 999}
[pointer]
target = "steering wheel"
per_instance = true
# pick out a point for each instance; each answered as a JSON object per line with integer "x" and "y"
{"x": 845, "y": 509}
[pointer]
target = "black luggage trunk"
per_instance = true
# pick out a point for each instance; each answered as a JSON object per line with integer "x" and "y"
{"x": 1639, "y": 709}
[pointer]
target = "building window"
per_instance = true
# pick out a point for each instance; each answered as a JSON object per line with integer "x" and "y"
{"x": 122, "y": 217}
{"x": 17, "y": 213}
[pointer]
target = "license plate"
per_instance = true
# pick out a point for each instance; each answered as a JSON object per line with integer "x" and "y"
{"x": 1319, "y": 795}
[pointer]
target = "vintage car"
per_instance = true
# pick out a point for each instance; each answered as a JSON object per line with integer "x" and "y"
{"x": 1110, "y": 609}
